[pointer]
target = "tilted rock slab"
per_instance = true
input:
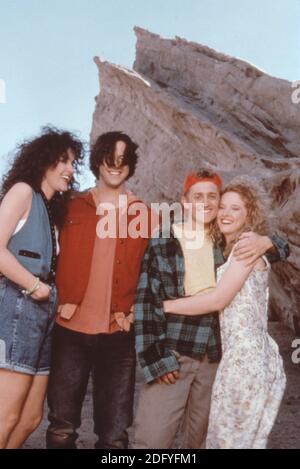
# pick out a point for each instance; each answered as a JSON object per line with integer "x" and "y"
{"x": 188, "y": 106}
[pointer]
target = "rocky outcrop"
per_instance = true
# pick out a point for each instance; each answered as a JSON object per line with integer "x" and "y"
{"x": 189, "y": 106}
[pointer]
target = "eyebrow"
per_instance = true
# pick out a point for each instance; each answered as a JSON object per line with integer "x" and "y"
{"x": 208, "y": 193}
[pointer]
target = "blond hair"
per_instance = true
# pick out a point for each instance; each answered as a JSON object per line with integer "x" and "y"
{"x": 257, "y": 205}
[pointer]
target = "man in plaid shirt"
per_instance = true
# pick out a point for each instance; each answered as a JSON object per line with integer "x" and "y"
{"x": 191, "y": 344}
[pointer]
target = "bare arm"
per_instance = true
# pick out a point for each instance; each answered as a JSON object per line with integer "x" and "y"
{"x": 228, "y": 287}
{"x": 15, "y": 206}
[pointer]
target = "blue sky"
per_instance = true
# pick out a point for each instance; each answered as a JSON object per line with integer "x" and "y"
{"x": 47, "y": 49}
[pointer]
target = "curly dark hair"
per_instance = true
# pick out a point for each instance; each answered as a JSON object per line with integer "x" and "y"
{"x": 103, "y": 150}
{"x": 35, "y": 156}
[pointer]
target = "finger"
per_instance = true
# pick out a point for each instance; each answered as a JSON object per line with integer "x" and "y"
{"x": 246, "y": 235}
{"x": 158, "y": 381}
{"x": 243, "y": 245}
{"x": 176, "y": 374}
{"x": 165, "y": 379}
{"x": 246, "y": 255}
{"x": 171, "y": 378}
{"x": 245, "y": 251}
{"x": 251, "y": 260}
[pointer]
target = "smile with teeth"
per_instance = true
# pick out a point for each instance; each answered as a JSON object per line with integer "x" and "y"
{"x": 67, "y": 178}
{"x": 204, "y": 210}
{"x": 115, "y": 172}
{"x": 226, "y": 222}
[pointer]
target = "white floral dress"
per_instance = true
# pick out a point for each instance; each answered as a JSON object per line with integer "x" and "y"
{"x": 250, "y": 380}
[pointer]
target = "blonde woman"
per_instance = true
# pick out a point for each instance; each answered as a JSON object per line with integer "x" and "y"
{"x": 250, "y": 380}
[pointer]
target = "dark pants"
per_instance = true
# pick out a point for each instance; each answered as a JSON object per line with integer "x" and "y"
{"x": 111, "y": 359}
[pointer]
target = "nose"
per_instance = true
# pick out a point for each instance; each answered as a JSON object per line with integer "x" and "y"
{"x": 224, "y": 212}
{"x": 205, "y": 201}
{"x": 119, "y": 161}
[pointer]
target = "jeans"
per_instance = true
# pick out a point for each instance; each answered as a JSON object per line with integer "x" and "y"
{"x": 111, "y": 359}
{"x": 25, "y": 330}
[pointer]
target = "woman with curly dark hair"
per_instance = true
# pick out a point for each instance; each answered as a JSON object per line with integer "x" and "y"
{"x": 33, "y": 202}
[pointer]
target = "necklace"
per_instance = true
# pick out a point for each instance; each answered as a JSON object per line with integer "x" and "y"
{"x": 53, "y": 237}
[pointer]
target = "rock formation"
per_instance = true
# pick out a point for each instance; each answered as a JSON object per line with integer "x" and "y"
{"x": 189, "y": 106}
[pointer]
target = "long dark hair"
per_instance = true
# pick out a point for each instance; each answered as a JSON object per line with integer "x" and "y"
{"x": 33, "y": 158}
{"x": 103, "y": 150}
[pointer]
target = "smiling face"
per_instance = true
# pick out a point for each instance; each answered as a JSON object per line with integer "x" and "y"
{"x": 57, "y": 178}
{"x": 114, "y": 176}
{"x": 232, "y": 215}
{"x": 204, "y": 198}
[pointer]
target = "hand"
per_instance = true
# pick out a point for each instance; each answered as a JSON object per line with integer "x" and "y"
{"x": 168, "y": 378}
{"x": 42, "y": 293}
{"x": 167, "y": 306}
{"x": 250, "y": 247}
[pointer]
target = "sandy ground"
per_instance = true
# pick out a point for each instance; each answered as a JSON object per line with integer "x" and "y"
{"x": 286, "y": 431}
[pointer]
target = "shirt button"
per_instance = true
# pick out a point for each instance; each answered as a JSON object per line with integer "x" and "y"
{"x": 118, "y": 261}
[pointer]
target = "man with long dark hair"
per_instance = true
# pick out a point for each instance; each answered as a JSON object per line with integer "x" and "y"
{"x": 96, "y": 279}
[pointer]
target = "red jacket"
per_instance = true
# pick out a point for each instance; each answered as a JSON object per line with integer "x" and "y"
{"x": 76, "y": 250}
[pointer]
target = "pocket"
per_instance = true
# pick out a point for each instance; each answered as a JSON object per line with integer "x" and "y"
{"x": 31, "y": 254}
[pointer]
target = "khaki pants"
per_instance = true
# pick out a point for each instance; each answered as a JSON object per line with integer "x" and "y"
{"x": 163, "y": 409}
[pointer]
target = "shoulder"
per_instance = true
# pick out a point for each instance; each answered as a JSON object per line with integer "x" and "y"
{"x": 21, "y": 192}
{"x": 78, "y": 195}
{"x": 21, "y": 188}
{"x": 80, "y": 200}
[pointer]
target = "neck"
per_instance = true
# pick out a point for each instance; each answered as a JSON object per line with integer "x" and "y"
{"x": 108, "y": 194}
{"x": 193, "y": 225}
{"x": 47, "y": 190}
{"x": 230, "y": 238}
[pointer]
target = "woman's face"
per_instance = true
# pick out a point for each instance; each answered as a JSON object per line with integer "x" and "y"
{"x": 58, "y": 178}
{"x": 232, "y": 214}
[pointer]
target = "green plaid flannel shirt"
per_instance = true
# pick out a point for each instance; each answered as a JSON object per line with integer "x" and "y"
{"x": 157, "y": 335}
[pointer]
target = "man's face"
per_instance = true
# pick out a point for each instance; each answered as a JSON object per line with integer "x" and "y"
{"x": 204, "y": 198}
{"x": 115, "y": 176}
